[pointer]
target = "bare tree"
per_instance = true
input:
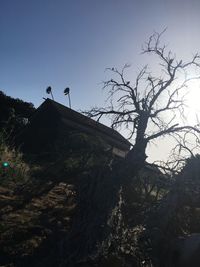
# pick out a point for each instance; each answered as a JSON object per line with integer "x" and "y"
{"x": 153, "y": 106}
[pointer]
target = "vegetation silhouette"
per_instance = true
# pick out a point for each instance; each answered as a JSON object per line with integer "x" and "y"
{"x": 139, "y": 108}
{"x": 14, "y": 114}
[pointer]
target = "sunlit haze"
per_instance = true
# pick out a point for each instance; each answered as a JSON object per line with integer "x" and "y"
{"x": 192, "y": 101}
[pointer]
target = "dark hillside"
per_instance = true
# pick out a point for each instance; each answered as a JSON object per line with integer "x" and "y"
{"x": 14, "y": 113}
{"x": 75, "y": 203}
{"x": 44, "y": 217}
{"x": 65, "y": 208}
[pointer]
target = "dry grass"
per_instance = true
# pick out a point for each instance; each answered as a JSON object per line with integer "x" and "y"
{"x": 17, "y": 170}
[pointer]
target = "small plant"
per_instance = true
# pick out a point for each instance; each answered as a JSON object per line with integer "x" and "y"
{"x": 13, "y": 169}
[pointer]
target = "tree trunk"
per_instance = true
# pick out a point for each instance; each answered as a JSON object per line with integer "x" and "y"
{"x": 98, "y": 195}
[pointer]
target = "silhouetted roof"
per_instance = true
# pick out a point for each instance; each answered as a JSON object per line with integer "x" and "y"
{"x": 74, "y": 118}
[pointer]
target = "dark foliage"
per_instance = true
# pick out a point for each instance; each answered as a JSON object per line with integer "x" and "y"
{"x": 14, "y": 113}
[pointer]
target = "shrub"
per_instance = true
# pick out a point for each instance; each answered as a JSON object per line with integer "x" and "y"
{"x": 13, "y": 169}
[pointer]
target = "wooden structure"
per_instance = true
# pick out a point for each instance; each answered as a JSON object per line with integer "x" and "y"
{"x": 51, "y": 121}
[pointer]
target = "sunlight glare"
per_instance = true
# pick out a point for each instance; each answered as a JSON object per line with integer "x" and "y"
{"x": 193, "y": 101}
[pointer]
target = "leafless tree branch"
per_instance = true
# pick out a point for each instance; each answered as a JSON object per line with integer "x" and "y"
{"x": 149, "y": 107}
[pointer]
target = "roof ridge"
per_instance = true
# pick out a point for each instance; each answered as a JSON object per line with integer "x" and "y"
{"x": 88, "y": 119}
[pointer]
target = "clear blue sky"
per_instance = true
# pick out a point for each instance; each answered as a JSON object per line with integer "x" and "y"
{"x": 69, "y": 43}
